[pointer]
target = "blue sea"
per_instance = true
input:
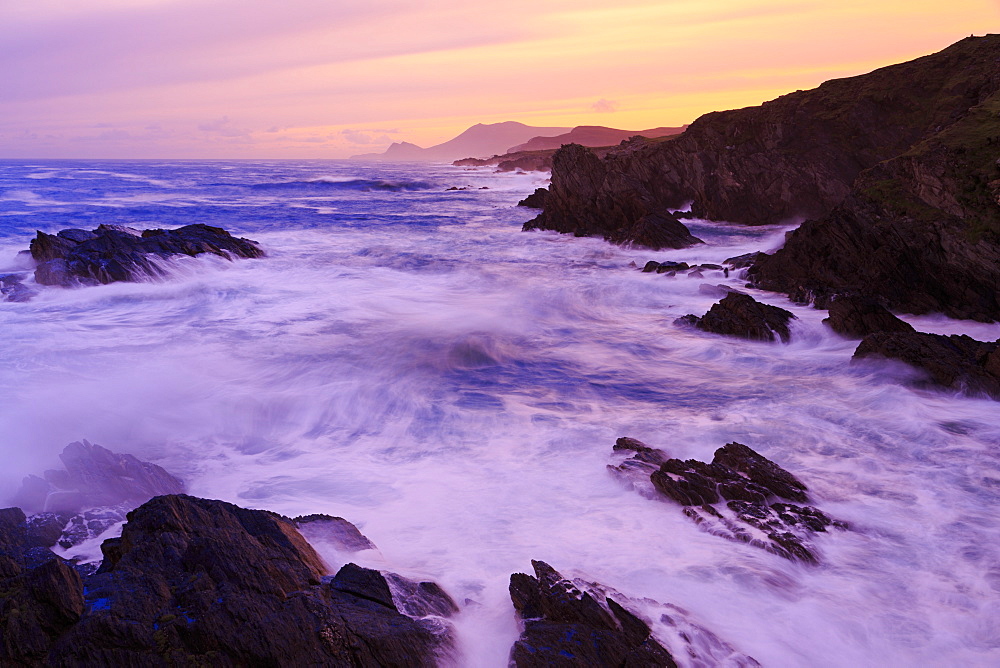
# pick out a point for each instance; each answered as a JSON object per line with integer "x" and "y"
{"x": 407, "y": 358}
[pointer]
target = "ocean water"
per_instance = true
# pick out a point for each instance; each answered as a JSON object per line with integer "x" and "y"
{"x": 407, "y": 358}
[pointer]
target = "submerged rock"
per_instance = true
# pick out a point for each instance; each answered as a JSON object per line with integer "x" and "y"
{"x": 12, "y": 289}
{"x": 741, "y": 315}
{"x": 741, "y": 495}
{"x": 116, "y": 253}
{"x": 956, "y": 362}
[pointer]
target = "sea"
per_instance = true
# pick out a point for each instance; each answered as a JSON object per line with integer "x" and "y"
{"x": 407, "y": 358}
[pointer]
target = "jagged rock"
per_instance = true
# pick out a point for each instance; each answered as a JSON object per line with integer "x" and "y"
{"x": 565, "y": 626}
{"x": 334, "y": 531}
{"x": 420, "y": 599}
{"x": 116, "y": 253}
{"x": 194, "y": 581}
{"x": 587, "y": 199}
{"x": 364, "y": 583}
{"x": 856, "y": 317}
{"x": 741, "y": 315}
{"x": 95, "y": 476}
{"x": 535, "y": 200}
{"x": 734, "y": 497}
{"x": 957, "y": 362}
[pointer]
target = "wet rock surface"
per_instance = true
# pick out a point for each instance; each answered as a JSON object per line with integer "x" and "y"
{"x": 194, "y": 581}
{"x": 334, "y": 531}
{"x": 855, "y": 317}
{"x": 578, "y": 623}
{"x": 113, "y": 253}
{"x": 587, "y": 199}
{"x": 740, "y": 315}
{"x": 956, "y": 362}
{"x": 566, "y": 626}
{"x": 535, "y": 200}
{"x": 740, "y": 495}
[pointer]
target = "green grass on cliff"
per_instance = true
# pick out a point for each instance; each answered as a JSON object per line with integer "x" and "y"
{"x": 967, "y": 153}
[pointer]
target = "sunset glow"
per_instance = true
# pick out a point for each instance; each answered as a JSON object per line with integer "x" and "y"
{"x": 321, "y": 79}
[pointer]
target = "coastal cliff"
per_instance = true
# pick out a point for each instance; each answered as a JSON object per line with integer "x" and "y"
{"x": 895, "y": 171}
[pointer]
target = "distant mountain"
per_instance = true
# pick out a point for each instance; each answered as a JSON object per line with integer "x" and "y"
{"x": 591, "y": 135}
{"x": 481, "y": 140}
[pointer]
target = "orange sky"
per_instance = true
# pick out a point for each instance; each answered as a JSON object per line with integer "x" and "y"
{"x": 331, "y": 78}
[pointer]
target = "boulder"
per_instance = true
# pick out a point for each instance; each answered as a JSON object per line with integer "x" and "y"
{"x": 196, "y": 581}
{"x": 740, "y": 315}
{"x": 956, "y": 362}
{"x": 565, "y": 626}
{"x": 116, "y": 253}
{"x": 855, "y": 317}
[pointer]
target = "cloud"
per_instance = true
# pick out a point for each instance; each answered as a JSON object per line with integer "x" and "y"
{"x": 367, "y": 137}
{"x": 605, "y": 106}
{"x": 223, "y": 127}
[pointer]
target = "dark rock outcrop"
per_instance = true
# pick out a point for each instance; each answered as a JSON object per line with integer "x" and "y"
{"x": 535, "y": 200}
{"x": 740, "y": 315}
{"x": 115, "y": 253}
{"x": 920, "y": 231}
{"x": 579, "y": 623}
{"x": 895, "y": 173}
{"x": 956, "y": 362}
{"x": 740, "y": 495}
{"x": 199, "y": 582}
{"x": 797, "y": 155}
{"x": 856, "y": 317}
{"x": 588, "y": 199}
{"x": 94, "y": 476}
{"x": 568, "y": 627}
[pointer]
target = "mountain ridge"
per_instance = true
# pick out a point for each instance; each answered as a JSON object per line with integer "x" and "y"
{"x": 481, "y": 140}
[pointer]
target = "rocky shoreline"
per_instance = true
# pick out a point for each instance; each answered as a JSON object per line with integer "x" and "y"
{"x": 895, "y": 174}
{"x": 193, "y": 581}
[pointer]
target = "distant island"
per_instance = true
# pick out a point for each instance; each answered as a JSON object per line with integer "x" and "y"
{"x": 494, "y": 143}
{"x": 482, "y": 139}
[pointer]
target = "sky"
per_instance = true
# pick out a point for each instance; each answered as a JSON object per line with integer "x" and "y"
{"x": 333, "y": 78}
